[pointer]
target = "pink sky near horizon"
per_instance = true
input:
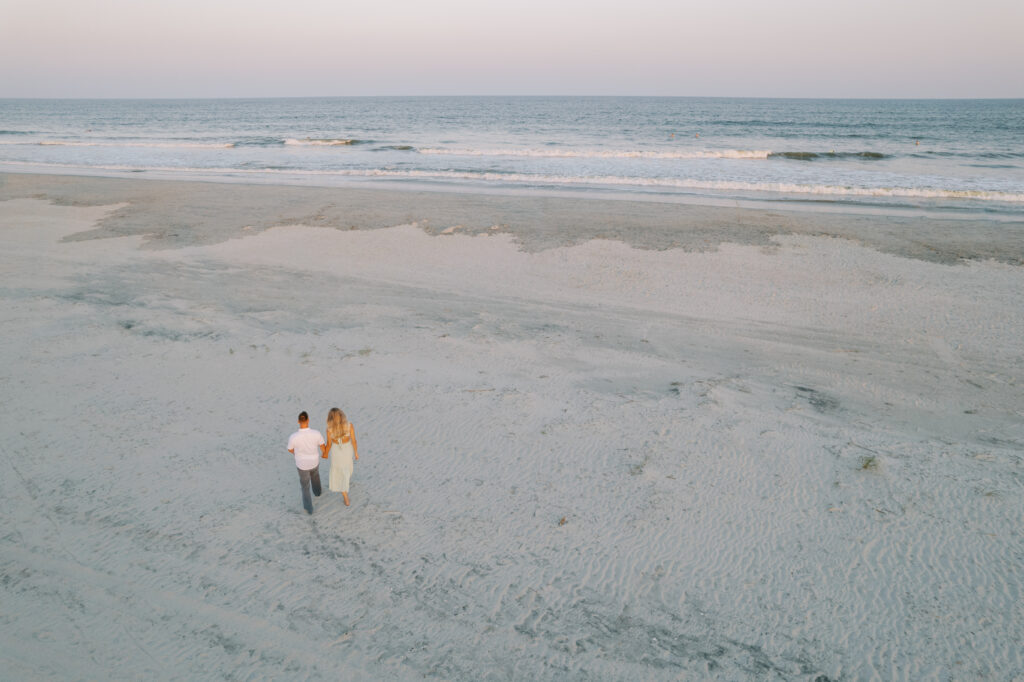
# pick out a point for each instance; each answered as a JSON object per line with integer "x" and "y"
{"x": 788, "y": 48}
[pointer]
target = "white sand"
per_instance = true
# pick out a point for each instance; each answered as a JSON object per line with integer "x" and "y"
{"x": 801, "y": 462}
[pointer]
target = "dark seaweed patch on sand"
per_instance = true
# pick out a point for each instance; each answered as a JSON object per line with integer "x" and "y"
{"x": 821, "y": 402}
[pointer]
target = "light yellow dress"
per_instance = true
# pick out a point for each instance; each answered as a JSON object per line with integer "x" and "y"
{"x": 341, "y": 456}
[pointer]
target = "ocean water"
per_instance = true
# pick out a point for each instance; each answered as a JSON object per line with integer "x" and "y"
{"x": 964, "y": 156}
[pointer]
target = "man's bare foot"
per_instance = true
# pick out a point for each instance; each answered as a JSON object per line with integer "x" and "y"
{"x": 345, "y": 495}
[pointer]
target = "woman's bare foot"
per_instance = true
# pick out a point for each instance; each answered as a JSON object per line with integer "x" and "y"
{"x": 345, "y": 495}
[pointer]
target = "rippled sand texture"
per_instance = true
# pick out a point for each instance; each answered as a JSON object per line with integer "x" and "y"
{"x": 800, "y": 459}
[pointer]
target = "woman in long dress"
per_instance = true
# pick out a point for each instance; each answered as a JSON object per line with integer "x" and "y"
{"x": 341, "y": 449}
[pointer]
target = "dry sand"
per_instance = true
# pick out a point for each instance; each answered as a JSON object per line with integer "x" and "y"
{"x": 740, "y": 455}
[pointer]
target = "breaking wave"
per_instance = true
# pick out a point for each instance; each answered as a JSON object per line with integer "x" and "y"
{"x": 603, "y": 154}
{"x": 810, "y": 156}
{"x": 641, "y": 154}
{"x": 322, "y": 142}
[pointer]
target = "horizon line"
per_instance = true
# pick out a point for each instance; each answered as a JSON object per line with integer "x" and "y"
{"x": 505, "y": 96}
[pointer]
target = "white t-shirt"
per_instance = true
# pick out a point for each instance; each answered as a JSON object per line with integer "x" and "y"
{"x": 305, "y": 443}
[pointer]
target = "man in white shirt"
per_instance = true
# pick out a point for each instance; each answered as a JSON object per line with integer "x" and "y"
{"x": 305, "y": 445}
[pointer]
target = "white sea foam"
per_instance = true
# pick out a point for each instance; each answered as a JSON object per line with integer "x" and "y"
{"x": 592, "y": 181}
{"x": 325, "y": 142}
{"x": 708, "y": 185}
{"x": 603, "y": 154}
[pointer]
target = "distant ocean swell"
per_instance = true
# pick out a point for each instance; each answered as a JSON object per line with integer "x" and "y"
{"x": 255, "y": 142}
{"x": 144, "y": 145}
{"x": 626, "y": 154}
{"x": 1010, "y": 154}
{"x": 891, "y": 155}
{"x": 603, "y": 154}
{"x": 141, "y": 145}
{"x": 757, "y": 154}
{"x": 691, "y": 184}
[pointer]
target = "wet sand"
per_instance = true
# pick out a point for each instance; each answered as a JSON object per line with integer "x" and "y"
{"x": 173, "y": 213}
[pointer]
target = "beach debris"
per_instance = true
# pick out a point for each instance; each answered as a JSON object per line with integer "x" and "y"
{"x": 819, "y": 402}
{"x": 562, "y": 521}
{"x": 868, "y": 462}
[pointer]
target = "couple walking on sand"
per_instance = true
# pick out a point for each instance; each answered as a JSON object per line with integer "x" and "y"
{"x": 309, "y": 448}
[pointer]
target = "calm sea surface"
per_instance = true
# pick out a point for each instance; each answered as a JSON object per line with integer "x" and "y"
{"x": 964, "y": 156}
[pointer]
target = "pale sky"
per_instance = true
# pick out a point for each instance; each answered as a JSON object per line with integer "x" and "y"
{"x": 269, "y": 48}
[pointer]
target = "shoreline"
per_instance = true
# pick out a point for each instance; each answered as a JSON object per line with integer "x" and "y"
{"x": 536, "y": 222}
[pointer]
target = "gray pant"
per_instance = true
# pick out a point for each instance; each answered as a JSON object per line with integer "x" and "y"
{"x": 307, "y": 476}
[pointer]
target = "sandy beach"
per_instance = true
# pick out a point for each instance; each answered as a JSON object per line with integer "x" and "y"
{"x": 598, "y": 439}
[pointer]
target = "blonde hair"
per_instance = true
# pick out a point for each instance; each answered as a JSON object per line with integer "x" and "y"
{"x": 337, "y": 425}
